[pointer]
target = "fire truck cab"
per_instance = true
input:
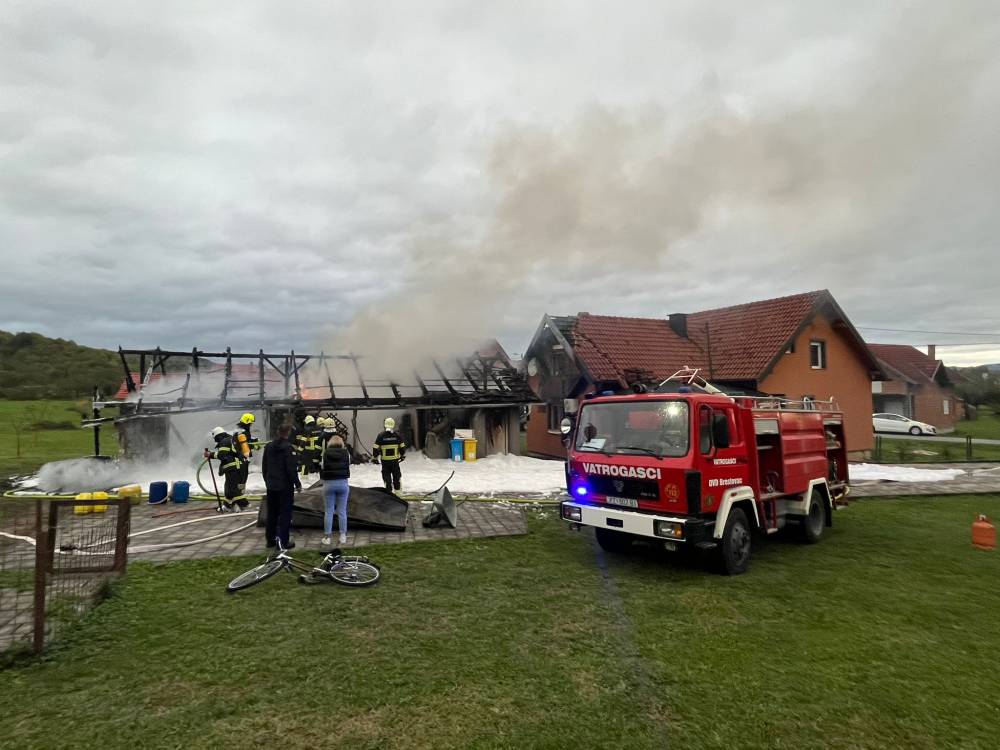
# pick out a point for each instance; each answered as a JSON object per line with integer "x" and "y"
{"x": 693, "y": 468}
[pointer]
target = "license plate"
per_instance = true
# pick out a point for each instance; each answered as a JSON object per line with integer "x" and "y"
{"x": 627, "y": 502}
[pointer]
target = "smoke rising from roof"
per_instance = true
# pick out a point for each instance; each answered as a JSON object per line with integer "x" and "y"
{"x": 626, "y": 189}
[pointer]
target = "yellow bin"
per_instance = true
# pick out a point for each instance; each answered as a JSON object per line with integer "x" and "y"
{"x": 133, "y": 492}
{"x": 99, "y": 496}
{"x": 82, "y": 510}
{"x": 470, "y": 449}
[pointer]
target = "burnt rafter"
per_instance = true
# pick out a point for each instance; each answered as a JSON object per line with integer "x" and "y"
{"x": 484, "y": 381}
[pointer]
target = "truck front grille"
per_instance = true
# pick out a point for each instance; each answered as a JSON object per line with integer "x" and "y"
{"x": 639, "y": 489}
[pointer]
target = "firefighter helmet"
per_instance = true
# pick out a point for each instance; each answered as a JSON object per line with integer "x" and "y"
{"x": 247, "y": 418}
{"x": 309, "y": 419}
{"x": 389, "y": 423}
{"x": 218, "y": 432}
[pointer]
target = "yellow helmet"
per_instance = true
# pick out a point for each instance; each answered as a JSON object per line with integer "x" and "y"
{"x": 309, "y": 419}
{"x": 390, "y": 423}
{"x": 247, "y": 418}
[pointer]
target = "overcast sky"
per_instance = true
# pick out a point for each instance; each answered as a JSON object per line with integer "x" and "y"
{"x": 330, "y": 174}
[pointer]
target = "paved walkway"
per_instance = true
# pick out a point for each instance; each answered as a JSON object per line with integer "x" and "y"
{"x": 475, "y": 520}
{"x": 978, "y": 479}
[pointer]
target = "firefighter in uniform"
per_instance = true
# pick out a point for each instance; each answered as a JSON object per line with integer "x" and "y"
{"x": 245, "y": 442}
{"x": 230, "y": 467}
{"x": 305, "y": 445}
{"x": 390, "y": 448}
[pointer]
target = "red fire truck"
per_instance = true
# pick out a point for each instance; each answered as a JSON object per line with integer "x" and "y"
{"x": 693, "y": 468}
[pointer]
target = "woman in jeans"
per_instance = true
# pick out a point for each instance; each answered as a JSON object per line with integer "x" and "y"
{"x": 335, "y": 471}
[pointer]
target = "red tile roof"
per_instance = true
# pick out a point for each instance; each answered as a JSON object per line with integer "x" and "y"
{"x": 744, "y": 340}
{"x": 610, "y": 345}
{"x": 122, "y": 393}
{"x": 907, "y": 360}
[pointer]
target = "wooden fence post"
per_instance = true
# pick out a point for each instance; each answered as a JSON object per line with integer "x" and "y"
{"x": 41, "y": 566}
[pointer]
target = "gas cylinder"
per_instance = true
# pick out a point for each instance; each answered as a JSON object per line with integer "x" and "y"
{"x": 984, "y": 534}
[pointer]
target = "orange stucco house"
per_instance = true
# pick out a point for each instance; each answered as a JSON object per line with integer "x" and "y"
{"x": 798, "y": 346}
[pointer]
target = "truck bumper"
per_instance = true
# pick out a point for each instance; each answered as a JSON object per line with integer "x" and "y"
{"x": 692, "y": 530}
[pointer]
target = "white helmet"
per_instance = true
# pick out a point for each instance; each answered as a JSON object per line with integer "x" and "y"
{"x": 218, "y": 431}
{"x": 310, "y": 419}
{"x": 390, "y": 423}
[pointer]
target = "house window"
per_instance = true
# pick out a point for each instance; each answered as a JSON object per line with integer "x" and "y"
{"x": 790, "y": 349}
{"x": 947, "y": 407}
{"x": 876, "y": 386}
{"x": 817, "y": 355}
{"x": 556, "y": 415}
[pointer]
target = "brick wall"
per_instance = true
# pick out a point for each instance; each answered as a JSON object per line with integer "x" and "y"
{"x": 845, "y": 377}
{"x": 539, "y": 439}
{"x": 928, "y": 406}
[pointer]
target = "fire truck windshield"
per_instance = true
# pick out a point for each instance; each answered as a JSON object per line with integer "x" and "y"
{"x": 660, "y": 428}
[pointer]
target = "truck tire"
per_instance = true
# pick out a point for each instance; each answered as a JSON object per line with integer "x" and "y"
{"x": 616, "y": 542}
{"x": 735, "y": 545}
{"x": 814, "y": 521}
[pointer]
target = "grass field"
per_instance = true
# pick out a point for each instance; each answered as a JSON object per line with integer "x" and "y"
{"x": 986, "y": 427}
{"x": 47, "y": 444}
{"x": 884, "y": 635}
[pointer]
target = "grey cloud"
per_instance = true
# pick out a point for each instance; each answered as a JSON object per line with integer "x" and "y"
{"x": 323, "y": 164}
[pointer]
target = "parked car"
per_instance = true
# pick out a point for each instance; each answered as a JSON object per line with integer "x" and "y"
{"x": 899, "y": 423}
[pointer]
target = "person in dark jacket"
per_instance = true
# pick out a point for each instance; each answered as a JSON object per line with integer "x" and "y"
{"x": 280, "y": 469}
{"x": 335, "y": 472}
{"x": 390, "y": 448}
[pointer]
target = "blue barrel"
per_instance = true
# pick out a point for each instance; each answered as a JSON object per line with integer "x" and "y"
{"x": 157, "y": 493}
{"x": 180, "y": 492}
{"x": 457, "y": 449}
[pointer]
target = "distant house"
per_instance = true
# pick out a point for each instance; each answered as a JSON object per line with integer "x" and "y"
{"x": 917, "y": 385}
{"x": 798, "y": 346}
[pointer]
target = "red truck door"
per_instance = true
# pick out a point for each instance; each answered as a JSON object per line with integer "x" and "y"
{"x": 721, "y": 467}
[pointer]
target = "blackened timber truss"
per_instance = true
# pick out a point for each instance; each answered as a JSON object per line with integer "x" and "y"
{"x": 170, "y": 382}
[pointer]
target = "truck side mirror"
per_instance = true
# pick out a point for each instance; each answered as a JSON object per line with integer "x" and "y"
{"x": 720, "y": 430}
{"x": 566, "y": 426}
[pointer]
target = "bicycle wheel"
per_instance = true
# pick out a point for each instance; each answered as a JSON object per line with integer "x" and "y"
{"x": 355, "y": 574}
{"x": 254, "y": 576}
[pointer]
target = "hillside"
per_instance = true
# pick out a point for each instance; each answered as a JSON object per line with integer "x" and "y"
{"x": 33, "y": 366}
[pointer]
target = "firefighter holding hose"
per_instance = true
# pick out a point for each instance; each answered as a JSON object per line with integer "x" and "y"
{"x": 231, "y": 468}
{"x": 390, "y": 448}
{"x": 245, "y": 443}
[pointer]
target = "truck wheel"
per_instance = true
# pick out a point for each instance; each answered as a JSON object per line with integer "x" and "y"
{"x": 613, "y": 541}
{"x": 813, "y": 523}
{"x": 734, "y": 547}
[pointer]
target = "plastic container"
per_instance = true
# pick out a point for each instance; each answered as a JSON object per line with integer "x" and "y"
{"x": 180, "y": 492}
{"x": 457, "y": 449}
{"x": 984, "y": 534}
{"x": 131, "y": 492}
{"x": 157, "y": 493}
{"x": 82, "y": 510}
{"x": 470, "y": 449}
{"x": 99, "y": 496}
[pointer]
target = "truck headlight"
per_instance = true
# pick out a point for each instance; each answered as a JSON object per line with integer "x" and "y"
{"x": 571, "y": 514}
{"x": 668, "y": 529}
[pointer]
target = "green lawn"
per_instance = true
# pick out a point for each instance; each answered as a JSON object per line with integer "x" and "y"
{"x": 883, "y": 635}
{"x": 895, "y": 451}
{"x": 47, "y": 444}
{"x": 986, "y": 426}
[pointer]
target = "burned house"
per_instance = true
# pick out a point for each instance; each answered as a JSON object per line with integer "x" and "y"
{"x": 168, "y": 406}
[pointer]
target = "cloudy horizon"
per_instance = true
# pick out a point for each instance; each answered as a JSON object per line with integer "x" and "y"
{"x": 399, "y": 178}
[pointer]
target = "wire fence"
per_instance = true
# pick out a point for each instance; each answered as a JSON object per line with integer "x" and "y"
{"x": 57, "y": 559}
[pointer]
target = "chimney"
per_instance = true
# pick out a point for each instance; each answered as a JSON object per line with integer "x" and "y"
{"x": 932, "y": 351}
{"x": 679, "y": 324}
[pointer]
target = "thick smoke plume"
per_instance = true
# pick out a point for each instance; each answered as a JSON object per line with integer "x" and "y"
{"x": 621, "y": 190}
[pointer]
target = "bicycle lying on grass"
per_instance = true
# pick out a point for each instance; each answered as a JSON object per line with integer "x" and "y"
{"x": 349, "y": 570}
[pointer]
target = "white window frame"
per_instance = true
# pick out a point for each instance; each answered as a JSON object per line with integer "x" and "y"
{"x": 559, "y": 412}
{"x": 947, "y": 407}
{"x": 818, "y": 346}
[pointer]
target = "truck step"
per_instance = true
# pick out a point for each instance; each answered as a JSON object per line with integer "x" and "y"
{"x": 706, "y": 545}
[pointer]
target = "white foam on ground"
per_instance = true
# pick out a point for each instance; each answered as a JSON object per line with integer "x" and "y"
{"x": 859, "y": 472}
